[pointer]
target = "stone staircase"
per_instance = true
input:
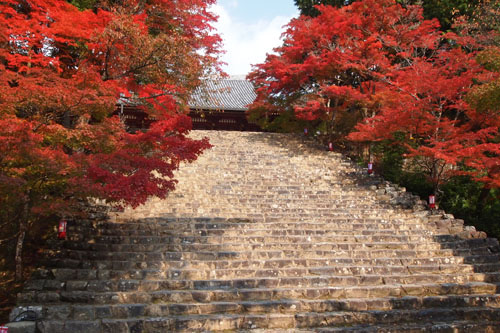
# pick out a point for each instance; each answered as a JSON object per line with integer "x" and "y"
{"x": 267, "y": 233}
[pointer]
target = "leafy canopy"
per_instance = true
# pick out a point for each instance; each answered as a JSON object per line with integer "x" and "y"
{"x": 63, "y": 67}
{"x": 444, "y": 10}
{"x": 384, "y": 68}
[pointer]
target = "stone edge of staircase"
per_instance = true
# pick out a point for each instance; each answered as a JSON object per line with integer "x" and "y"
{"x": 396, "y": 195}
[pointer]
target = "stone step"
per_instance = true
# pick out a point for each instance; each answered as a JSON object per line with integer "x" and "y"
{"x": 227, "y": 322}
{"x": 66, "y": 274}
{"x": 327, "y": 245}
{"x": 271, "y": 222}
{"x": 334, "y": 200}
{"x": 278, "y": 282}
{"x": 462, "y": 326}
{"x": 276, "y": 205}
{"x": 231, "y": 263}
{"x": 327, "y": 204}
{"x": 281, "y": 243}
{"x": 83, "y": 259}
{"x": 337, "y": 194}
{"x": 160, "y": 228}
{"x": 222, "y": 295}
{"x": 250, "y": 239}
{"x": 124, "y": 311}
{"x": 329, "y": 213}
{"x": 343, "y": 217}
{"x": 139, "y": 235}
{"x": 275, "y": 221}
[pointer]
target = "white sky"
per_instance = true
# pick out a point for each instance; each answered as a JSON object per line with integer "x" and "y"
{"x": 250, "y": 29}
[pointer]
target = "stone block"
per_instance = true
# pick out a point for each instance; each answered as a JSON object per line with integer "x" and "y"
{"x": 84, "y": 313}
{"x": 58, "y": 312}
{"x": 158, "y": 325}
{"x": 82, "y": 326}
{"x": 34, "y": 285}
{"x": 86, "y": 274}
{"x": 53, "y": 285}
{"x": 22, "y": 327}
{"x": 47, "y": 326}
{"x": 135, "y": 326}
{"x": 76, "y": 285}
{"x": 47, "y": 297}
{"x": 103, "y": 311}
{"x": 63, "y": 274}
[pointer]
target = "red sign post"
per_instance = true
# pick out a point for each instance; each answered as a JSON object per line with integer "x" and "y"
{"x": 61, "y": 231}
{"x": 432, "y": 201}
{"x": 370, "y": 168}
{"x": 330, "y": 146}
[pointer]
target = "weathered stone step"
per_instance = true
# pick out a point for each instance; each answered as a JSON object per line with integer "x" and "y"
{"x": 81, "y": 259}
{"x": 305, "y": 227}
{"x": 396, "y": 216}
{"x": 298, "y": 282}
{"x": 324, "y": 292}
{"x": 328, "y": 245}
{"x": 65, "y": 274}
{"x": 271, "y": 221}
{"x": 333, "y": 208}
{"x": 274, "y": 198}
{"x": 268, "y": 222}
{"x": 253, "y": 239}
{"x": 284, "y": 262}
{"x": 222, "y": 295}
{"x": 462, "y": 326}
{"x": 337, "y": 194}
{"x": 139, "y": 235}
{"x": 203, "y": 323}
{"x": 273, "y": 205}
{"x": 240, "y": 246}
{"x": 339, "y": 190}
{"x": 123, "y": 311}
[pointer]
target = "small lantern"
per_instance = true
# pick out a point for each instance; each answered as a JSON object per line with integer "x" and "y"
{"x": 61, "y": 231}
{"x": 306, "y": 131}
{"x": 4, "y": 329}
{"x": 370, "y": 168}
{"x": 432, "y": 201}
{"x": 330, "y": 146}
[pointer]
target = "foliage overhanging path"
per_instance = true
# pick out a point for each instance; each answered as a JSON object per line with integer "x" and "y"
{"x": 63, "y": 68}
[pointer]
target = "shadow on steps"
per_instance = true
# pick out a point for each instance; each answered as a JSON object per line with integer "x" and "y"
{"x": 208, "y": 274}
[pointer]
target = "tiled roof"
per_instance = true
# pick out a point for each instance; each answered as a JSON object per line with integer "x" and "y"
{"x": 223, "y": 94}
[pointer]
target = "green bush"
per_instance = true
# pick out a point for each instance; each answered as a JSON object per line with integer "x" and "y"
{"x": 461, "y": 196}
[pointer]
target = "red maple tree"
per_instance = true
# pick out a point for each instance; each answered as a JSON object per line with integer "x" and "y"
{"x": 374, "y": 71}
{"x": 62, "y": 71}
{"x": 330, "y": 67}
{"x": 429, "y": 115}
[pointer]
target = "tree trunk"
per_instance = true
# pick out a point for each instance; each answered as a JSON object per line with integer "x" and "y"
{"x": 23, "y": 227}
